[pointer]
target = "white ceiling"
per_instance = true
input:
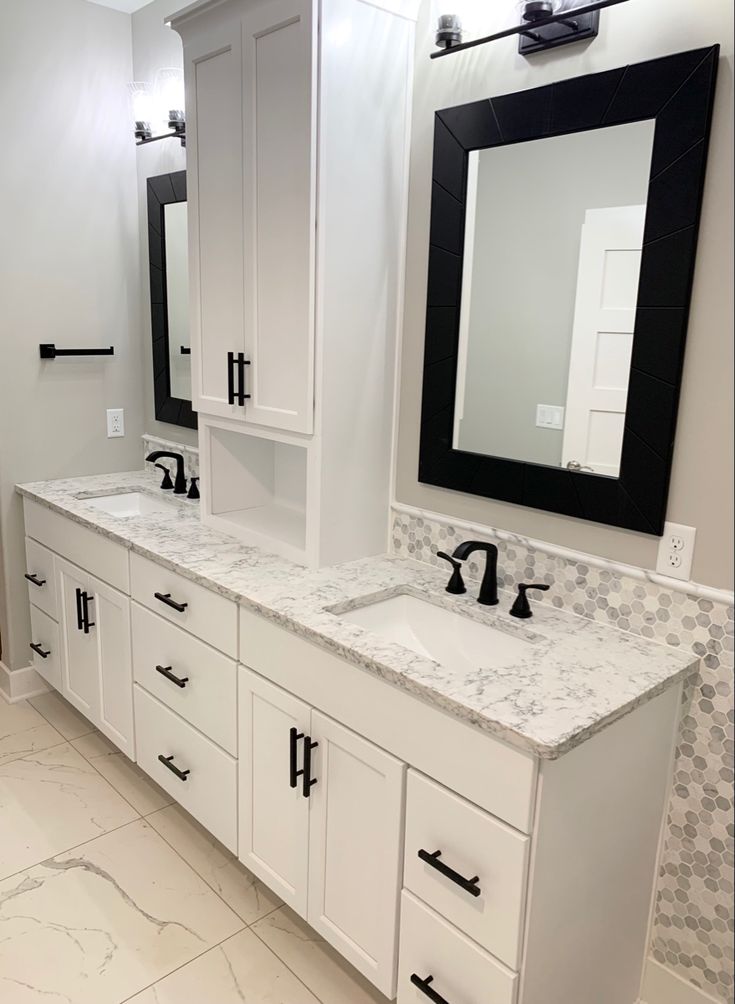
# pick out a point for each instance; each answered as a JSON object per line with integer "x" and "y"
{"x": 127, "y": 6}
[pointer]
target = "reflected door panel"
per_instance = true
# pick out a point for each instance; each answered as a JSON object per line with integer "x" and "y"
{"x": 602, "y": 338}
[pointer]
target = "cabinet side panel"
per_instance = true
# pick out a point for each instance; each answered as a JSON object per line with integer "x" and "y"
{"x": 594, "y": 861}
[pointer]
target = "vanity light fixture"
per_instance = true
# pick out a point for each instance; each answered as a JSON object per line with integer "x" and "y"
{"x": 545, "y": 24}
{"x": 162, "y": 104}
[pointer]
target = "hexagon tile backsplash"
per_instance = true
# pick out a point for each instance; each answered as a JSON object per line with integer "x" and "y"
{"x": 693, "y": 921}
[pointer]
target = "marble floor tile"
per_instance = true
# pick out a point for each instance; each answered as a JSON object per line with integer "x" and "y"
{"x": 99, "y": 924}
{"x": 242, "y": 969}
{"x": 23, "y": 730}
{"x": 316, "y": 964}
{"x": 63, "y": 716}
{"x": 125, "y": 776}
{"x": 52, "y": 801}
{"x": 220, "y": 869}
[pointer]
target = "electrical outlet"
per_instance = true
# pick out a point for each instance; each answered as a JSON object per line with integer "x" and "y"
{"x": 676, "y": 550}
{"x": 115, "y": 423}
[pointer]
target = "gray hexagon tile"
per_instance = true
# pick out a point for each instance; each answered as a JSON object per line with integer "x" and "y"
{"x": 693, "y": 921}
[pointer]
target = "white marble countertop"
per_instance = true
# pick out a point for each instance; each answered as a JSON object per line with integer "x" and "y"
{"x": 577, "y": 677}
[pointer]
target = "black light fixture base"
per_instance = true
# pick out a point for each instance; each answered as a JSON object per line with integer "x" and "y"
{"x": 578, "y": 28}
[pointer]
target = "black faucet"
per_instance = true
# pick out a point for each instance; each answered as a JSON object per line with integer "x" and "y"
{"x": 180, "y": 482}
{"x": 489, "y": 585}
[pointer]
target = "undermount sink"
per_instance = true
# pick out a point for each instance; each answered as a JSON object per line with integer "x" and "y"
{"x": 457, "y": 642}
{"x": 127, "y": 504}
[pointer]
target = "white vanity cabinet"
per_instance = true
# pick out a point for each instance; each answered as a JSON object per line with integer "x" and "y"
{"x": 321, "y": 823}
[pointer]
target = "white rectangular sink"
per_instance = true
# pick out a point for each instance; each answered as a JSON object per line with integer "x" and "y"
{"x": 127, "y": 504}
{"x": 457, "y": 642}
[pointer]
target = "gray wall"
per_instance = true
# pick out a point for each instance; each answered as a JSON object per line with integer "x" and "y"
{"x": 524, "y": 279}
{"x": 155, "y": 46}
{"x": 702, "y": 477}
{"x": 69, "y": 268}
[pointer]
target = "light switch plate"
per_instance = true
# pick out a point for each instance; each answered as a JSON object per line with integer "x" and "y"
{"x": 676, "y": 551}
{"x": 549, "y": 416}
{"x": 115, "y": 423}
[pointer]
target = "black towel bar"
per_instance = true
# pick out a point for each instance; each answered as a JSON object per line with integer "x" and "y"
{"x": 49, "y": 351}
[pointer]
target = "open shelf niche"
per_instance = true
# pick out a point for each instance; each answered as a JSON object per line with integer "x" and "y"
{"x": 256, "y": 488}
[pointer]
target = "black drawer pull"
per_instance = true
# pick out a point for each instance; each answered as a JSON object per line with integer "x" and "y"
{"x": 40, "y": 651}
{"x": 425, "y": 988}
{"x": 180, "y": 681}
{"x": 80, "y": 622}
{"x": 166, "y": 598}
{"x": 293, "y": 759}
{"x": 309, "y": 781}
{"x": 167, "y": 761}
{"x": 32, "y": 577}
{"x": 230, "y": 378}
{"x": 86, "y": 622}
{"x": 469, "y": 885}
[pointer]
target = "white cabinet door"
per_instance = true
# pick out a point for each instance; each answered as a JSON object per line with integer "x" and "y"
{"x": 274, "y": 816}
{"x": 114, "y": 658}
{"x": 213, "y": 71}
{"x": 356, "y": 848}
{"x": 80, "y": 684}
{"x": 279, "y": 119}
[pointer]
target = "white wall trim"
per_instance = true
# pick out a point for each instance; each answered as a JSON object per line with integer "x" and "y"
{"x": 633, "y": 571}
{"x": 19, "y": 684}
{"x": 663, "y": 986}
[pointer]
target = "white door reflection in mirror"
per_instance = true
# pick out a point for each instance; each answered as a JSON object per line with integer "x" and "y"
{"x": 177, "y": 298}
{"x": 546, "y": 322}
{"x": 602, "y": 338}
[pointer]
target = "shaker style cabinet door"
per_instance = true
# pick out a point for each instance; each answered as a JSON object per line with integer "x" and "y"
{"x": 356, "y": 849}
{"x": 279, "y": 117}
{"x": 80, "y": 685}
{"x": 213, "y": 73}
{"x": 112, "y": 626}
{"x": 274, "y": 815}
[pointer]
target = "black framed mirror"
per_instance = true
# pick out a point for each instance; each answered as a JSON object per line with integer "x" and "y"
{"x": 168, "y": 267}
{"x": 564, "y": 226}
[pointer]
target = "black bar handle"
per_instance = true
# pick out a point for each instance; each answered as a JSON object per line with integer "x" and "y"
{"x": 167, "y": 761}
{"x": 180, "y": 681}
{"x": 469, "y": 885}
{"x": 80, "y": 622}
{"x": 230, "y": 378}
{"x": 309, "y": 781}
{"x": 32, "y": 577}
{"x": 166, "y": 598}
{"x": 185, "y": 350}
{"x": 424, "y": 986}
{"x": 49, "y": 351}
{"x": 40, "y": 651}
{"x": 86, "y": 622}
{"x": 294, "y": 773}
{"x": 242, "y": 362}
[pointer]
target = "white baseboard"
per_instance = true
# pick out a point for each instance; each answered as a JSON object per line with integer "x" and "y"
{"x": 662, "y": 986}
{"x": 19, "y": 684}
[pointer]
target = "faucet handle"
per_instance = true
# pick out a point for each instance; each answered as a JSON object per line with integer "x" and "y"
{"x": 167, "y": 483}
{"x": 521, "y": 607}
{"x": 456, "y": 583}
{"x": 193, "y": 489}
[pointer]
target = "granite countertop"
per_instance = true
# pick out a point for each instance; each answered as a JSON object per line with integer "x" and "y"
{"x": 574, "y": 677}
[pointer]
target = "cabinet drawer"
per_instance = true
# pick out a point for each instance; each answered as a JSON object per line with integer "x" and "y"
{"x": 473, "y": 844}
{"x": 91, "y": 551}
{"x": 208, "y": 698}
{"x": 45, "y": 635}
{"x": 40, "y": 578}
{"x": 209, "y": 790}
{"x": 205, "y": 614}
{"x": 462, "y": 972}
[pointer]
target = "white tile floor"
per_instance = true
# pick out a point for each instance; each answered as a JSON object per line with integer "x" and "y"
{"x": 111, "y": 893}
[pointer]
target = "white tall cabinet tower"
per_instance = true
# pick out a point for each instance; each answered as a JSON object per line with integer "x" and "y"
{"x": 297, "y": 152}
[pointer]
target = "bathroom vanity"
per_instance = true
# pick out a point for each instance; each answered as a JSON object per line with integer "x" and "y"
{"x": 473, "y": 822}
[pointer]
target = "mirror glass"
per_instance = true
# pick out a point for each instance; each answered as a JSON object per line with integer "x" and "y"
{"x": 177, "y": 299}
{"x": 552, "y": 254}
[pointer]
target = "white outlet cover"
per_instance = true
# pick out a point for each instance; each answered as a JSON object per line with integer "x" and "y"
{"x": 115, "y": 423}
{"x": 676, "y": 551}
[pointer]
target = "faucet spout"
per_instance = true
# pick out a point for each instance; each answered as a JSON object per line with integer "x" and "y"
{"x": 180, "y": 482}
{"x": 488, "y": 595}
